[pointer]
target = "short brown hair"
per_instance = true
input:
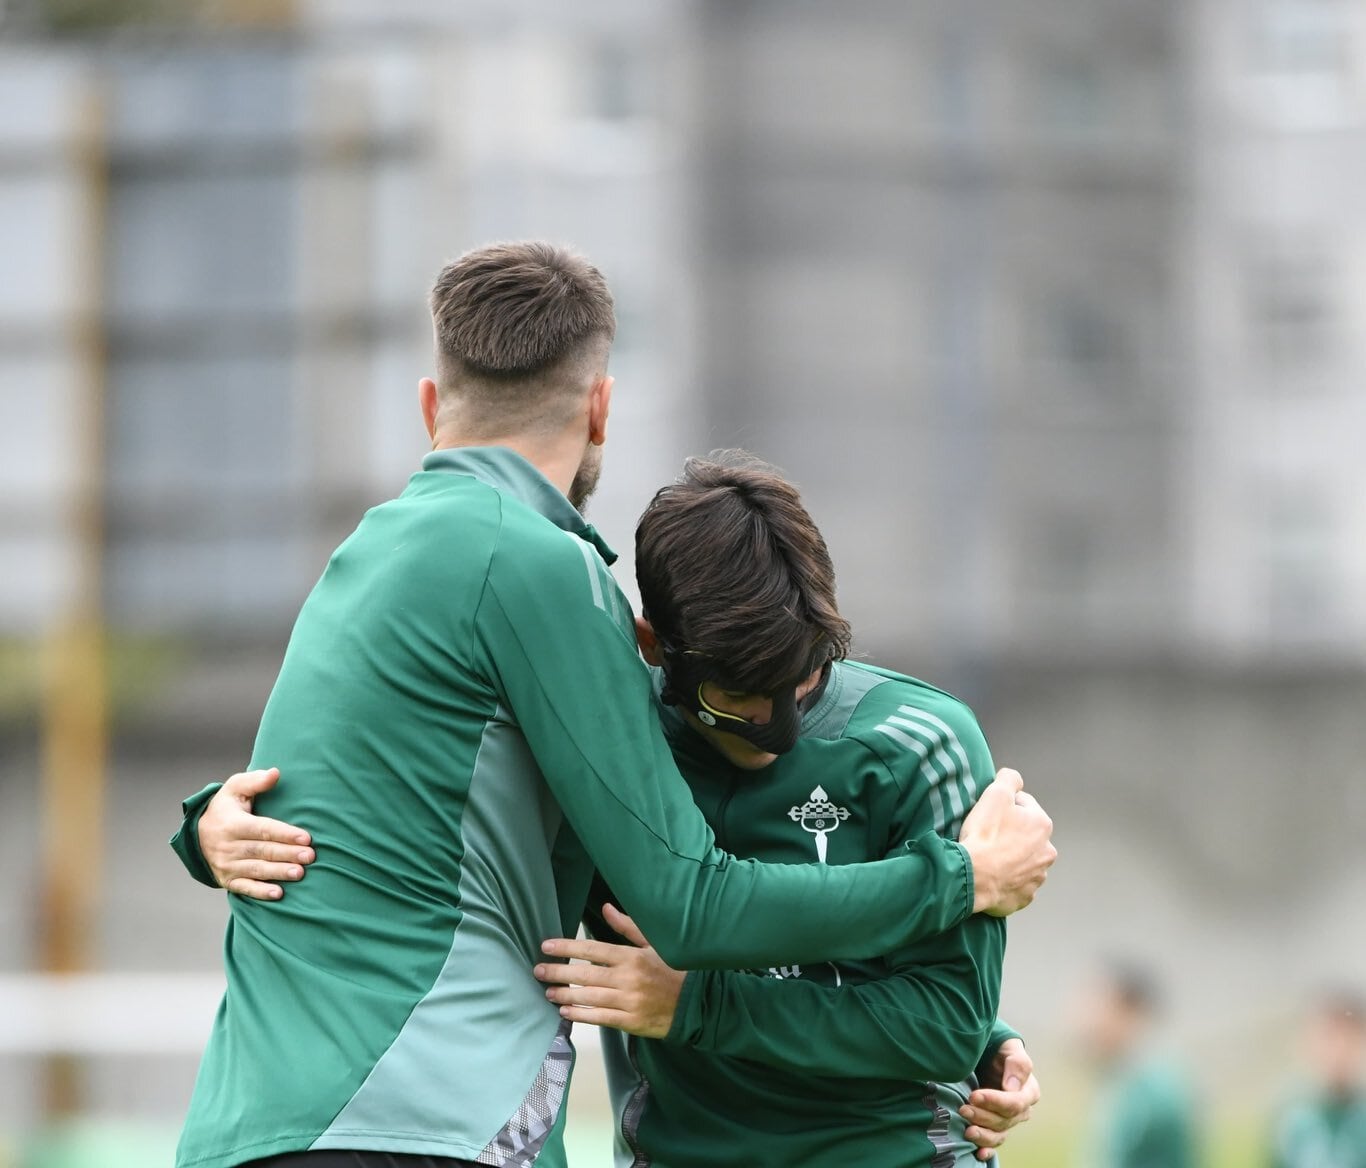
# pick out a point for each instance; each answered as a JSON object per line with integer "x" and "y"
{"x": 514, "y": 321}
{"x": 731, "y": 566}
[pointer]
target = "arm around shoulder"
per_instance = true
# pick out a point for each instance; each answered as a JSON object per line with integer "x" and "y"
{"x": 573, "y": 681}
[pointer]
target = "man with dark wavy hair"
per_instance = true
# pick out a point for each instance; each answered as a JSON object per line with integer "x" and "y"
{"x": 795, "y": 755}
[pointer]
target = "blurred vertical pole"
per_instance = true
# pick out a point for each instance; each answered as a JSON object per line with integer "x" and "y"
{"x": 75, "y": 705}
{"x": 963, "y": 270}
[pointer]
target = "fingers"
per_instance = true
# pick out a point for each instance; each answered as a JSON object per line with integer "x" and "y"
{"x": 578, "y": 974}
{"x": 255, "y": 889}
{"x": 596, "y": 997}
{"x": 616, "y": 1019}
{"x": 997, "y": 1110}
{"x": 249, "y": 784}
{"x": 1018, "y": 1073}
{"x": 996, "y": 801}
{"x": 598, "y": 952}
{"x": 242, "y": 789}
{"x": 260, "y": 870}
{"x": 273, "y": 831}
{"x": 1012, "y": 780}
{"x": 624, "y": 925}
{"x": 987, "y": 1141}
{"x": 618, "y": 1008}
{"x": 248, "y": 849}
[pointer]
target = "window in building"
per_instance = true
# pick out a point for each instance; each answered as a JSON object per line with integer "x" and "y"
{"x": 1302, "y": 60}
{"x": 1291, "y": 311}
{"x": 1073, "y": 98}
{"x": 1087, "y": 335}
{"x": 621, "y": 81}
{"x": 1081, "y": 336}
{"x": 1057, "y": 574}
{"x": 1298, "y": 562}
{"x": 1303, "y": 37}
{"x": 202, "y": 292}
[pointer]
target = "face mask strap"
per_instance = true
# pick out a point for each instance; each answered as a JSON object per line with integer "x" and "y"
{"x": 685, "y": 675}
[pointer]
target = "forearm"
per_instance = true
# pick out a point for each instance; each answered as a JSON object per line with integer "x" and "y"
{"x": 925, "y": 1022}
{"x": 185, "y": 842}
{"x": 611, "y": 772}
{"x": 740, "y": 914}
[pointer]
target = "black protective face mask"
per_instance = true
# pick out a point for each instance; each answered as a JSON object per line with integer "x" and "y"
{"x": 686, "y": 673}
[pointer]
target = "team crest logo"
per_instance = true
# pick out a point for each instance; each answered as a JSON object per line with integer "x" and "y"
{"x": 819, "y": 816}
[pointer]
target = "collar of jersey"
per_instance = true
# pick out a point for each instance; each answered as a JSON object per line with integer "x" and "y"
{"x": 507, "y": 471}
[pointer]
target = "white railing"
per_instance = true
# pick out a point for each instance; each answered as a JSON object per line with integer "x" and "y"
{"x": 127, "y": 1013}
{"x": 107, "y": 1013}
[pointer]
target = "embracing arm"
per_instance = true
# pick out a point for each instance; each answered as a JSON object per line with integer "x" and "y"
{"x": 570, "y": 676}
{"x": 628, "y": 987}
{"x": 929, "y": 1019}
{"x": 931, "y": 1014}
{"x": 907, "y": 1026}
{"x": 600, "y": 748}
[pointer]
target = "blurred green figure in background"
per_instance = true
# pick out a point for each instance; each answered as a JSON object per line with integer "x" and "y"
{"x": 1324, "y": 1125}
{"x": 1143, "y": 1115}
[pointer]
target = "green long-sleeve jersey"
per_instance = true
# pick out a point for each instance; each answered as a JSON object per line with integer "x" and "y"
{"x": 462, "y": 721}
{"x": 1316, "y": 1129}
{"x": 811, "y": 1064}
{"x": 1144, "y": 1117}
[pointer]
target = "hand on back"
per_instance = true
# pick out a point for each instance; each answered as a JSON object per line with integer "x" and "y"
{"x": 251, "y": 854}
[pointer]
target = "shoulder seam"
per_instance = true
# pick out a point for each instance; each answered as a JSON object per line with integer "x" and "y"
{"x": 488, "y": 570}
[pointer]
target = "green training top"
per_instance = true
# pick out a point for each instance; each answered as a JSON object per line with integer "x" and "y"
{"x": 1316, "y": 1130}
{"x": 1144, "y": 1119}
{"x": 815, "y": 1063}
{"x": 462, "y": 720}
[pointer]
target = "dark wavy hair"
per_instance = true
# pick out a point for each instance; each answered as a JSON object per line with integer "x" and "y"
{"x": 732, "y": 567}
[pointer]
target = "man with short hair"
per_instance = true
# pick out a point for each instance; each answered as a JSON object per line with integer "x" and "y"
{"x": 468, "y": 730}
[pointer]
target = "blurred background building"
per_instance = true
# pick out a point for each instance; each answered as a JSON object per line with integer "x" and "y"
{"x": 1056, "y": 310}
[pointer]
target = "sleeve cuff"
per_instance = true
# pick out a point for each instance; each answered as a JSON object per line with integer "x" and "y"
{"x": 185, "y": 842}
{"x": 951, "y": 858}
{"x": 969, "y": 881}
{"x": 686, "y": 1029}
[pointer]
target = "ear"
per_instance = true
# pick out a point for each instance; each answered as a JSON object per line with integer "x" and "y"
{"x": 599, "y": 403}
{"x": 429, "y": 403}
{"x": 648, "y": 642}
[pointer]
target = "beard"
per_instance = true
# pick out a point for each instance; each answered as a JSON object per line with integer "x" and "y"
{"x": 586, "y": 479}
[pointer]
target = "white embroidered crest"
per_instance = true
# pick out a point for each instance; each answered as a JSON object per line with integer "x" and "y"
{"x": 819, "y": 816}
